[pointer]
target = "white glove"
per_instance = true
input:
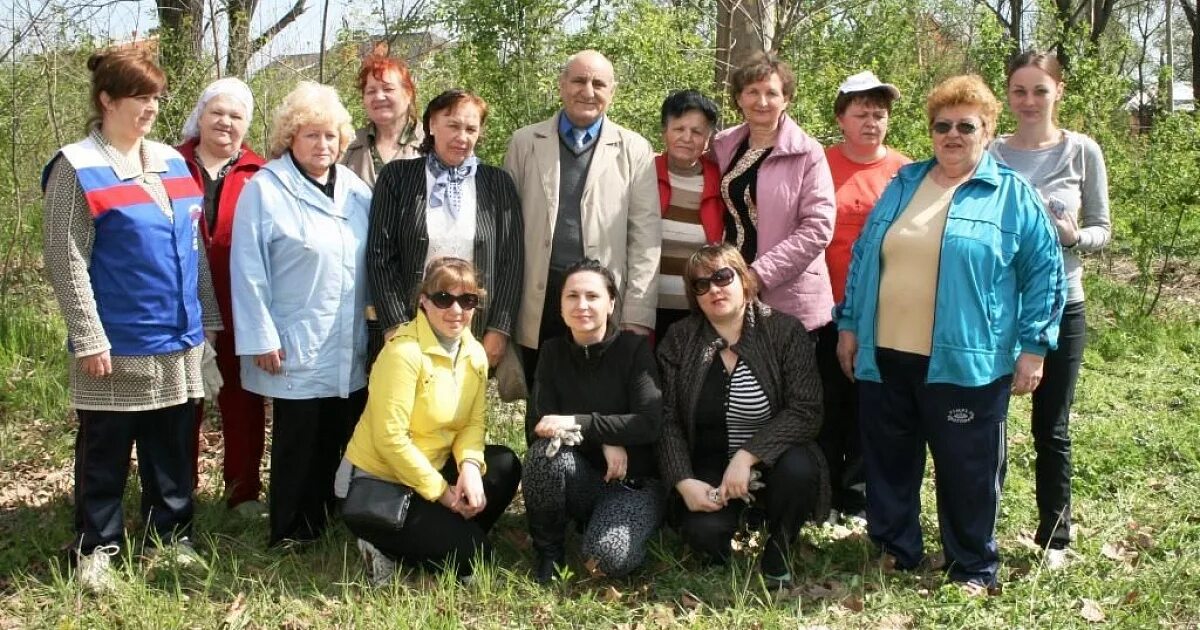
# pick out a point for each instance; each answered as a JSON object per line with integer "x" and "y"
{"x": 572, "y": 436}
{"x": 210, "y": 374}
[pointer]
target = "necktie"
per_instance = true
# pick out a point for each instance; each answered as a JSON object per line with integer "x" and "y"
{"x": 580, "y": 137}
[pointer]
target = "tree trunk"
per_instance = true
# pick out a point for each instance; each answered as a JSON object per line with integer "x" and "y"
{"x": 238, "y": 55}
{"x": 744, "y": 27}
{"x": 241, "y": 45}
{"x": 1095, "y": 14}
{"x": 181, "y": 33}
{"x": 1191, "y": 10}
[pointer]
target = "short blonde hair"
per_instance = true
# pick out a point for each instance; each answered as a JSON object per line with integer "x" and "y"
{"x": 965, "y": 89}
{"x": 309, "y": 104}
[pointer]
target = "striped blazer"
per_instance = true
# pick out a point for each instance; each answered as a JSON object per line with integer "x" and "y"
{"x": 398, "y": 241}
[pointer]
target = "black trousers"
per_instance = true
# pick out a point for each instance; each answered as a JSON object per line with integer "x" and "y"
{"x": 432, "y": 534}
{"x": 164, "y": 448}
{"x": 552, "y": 324}
{"x": 663, "y": 318}
{"x": 308, "y": 438}
{"x": 1051, "y": 429}
{"x": 840, "y": 438}
{"x": 964, "y": 428}
{"x": 788, "y": 500}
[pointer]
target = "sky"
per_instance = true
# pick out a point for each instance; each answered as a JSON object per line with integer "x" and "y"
{"x": 121, "y": 19}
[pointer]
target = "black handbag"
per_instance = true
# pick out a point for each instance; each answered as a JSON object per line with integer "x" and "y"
{"x": 375, "y": 504}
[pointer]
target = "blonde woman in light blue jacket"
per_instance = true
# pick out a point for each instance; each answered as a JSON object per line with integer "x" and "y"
{"x": 299, "y": 293}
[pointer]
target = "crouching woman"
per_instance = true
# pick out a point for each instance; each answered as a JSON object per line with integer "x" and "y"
{"x": 593, "y": 419}
{"x": 741, "y": 407}
{"x": 423, "y": 431}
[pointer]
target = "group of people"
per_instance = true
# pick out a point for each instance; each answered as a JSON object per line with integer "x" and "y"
{"x": 748, "y": 330}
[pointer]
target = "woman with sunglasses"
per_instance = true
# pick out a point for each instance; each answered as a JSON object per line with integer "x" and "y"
{"x": 591, "y": 425}
{"x": 954, "y": 295}
{"x": 424, "y": 428}
{"x": 1069, "y": 172}
{"x": 741, "y": 413}
{"x": 446, "y": 203}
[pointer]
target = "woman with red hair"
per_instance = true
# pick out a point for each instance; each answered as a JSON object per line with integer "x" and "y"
{"x": 394, "y": 130}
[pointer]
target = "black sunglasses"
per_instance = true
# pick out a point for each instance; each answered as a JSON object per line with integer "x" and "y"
{"x": 722, "y": 277}
{"x": 963, "y": 127}
{"x": 467, "y": 301}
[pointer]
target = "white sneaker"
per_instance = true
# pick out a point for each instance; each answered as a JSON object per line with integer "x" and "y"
{"x": 1056, "y": 559}
{"x": 380, "y": 568}
{"x": 251, "y": 510}
{"x": 95, "y": 571}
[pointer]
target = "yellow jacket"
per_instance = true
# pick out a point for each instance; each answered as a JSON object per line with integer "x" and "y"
{"x": 421, "y": 409}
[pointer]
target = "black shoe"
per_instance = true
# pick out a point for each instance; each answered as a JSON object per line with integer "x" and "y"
{"x": 549, "y": 532}
{"x": 774, "y": 567}
{"x": 548, "y": 565}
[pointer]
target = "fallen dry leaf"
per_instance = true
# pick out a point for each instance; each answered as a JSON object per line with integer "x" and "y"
{"x": 853, "y": 603}
{"x": 1130, "y": 597}
{"x": 822, "y": 590}
{"x": 611, "y": 594}
{"x": 1090, "y": 610}
{"x": 236, "y": 616}
{"x": 690, "y": 602}
{"x": 592, "y": 565}
{"x": 1142, "y": 540}
{"x": 543, "y": 614}
{"x": 1118, "y": 551}
{"x": 895, "y": 621}
{"x": 662, "y": 616}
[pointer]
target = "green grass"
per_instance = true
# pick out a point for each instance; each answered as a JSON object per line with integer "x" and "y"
{"x": 1137, "y": 497}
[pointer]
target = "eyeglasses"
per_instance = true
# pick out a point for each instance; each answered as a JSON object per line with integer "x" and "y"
{"x": 467, "y": 301}
{"x": 722, "y": 277}
{"x": 963, "y": 127}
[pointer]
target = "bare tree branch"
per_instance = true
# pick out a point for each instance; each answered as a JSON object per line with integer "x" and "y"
{"x": 296, "y": 11}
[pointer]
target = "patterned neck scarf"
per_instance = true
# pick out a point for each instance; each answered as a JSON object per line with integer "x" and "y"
{"x": 447, "y": 182}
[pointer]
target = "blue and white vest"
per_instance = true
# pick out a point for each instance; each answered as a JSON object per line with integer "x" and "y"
{"x": 144, "y": 264}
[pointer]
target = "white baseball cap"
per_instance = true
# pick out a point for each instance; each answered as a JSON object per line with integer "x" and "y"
{"x": 866, "y": 81}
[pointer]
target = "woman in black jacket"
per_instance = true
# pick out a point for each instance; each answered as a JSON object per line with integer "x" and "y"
{"x": 446, "y": 203}
{"x": 592, "y": 421}
{"x": 741, "y": 407}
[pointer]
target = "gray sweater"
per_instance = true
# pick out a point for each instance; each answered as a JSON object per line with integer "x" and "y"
{"x": 1076, "y": 175}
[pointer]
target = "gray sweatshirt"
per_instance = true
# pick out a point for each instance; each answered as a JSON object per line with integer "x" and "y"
{"x": 1073, "y": 172}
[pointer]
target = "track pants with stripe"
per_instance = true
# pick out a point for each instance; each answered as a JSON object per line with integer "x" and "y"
{"x": 964, "y": 428}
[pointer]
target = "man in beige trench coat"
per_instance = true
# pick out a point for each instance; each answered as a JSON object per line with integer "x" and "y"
{"x": 588, "y": 189}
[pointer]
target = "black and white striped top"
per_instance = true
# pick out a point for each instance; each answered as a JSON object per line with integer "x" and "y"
{"x": 747, "y": 408}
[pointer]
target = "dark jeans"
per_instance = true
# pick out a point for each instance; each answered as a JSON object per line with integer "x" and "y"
{"x": 1051, "y": 429}
{"x": 308, "y": 438}
{"x": 432, "y": 534}
{"x": 788, "y": 500}
{"x": 965, "y": 430}
{"x": 164, "y": 448}
{"x": 840, "y": 438}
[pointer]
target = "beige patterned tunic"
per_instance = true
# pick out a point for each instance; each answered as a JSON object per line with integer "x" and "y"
{"x": 137, "y": 383}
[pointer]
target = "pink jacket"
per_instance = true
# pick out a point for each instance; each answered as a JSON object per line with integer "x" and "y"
{"x": 796, "y": 209}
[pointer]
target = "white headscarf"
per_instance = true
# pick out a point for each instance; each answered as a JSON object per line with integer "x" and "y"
{"x": 232, "y": 87}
